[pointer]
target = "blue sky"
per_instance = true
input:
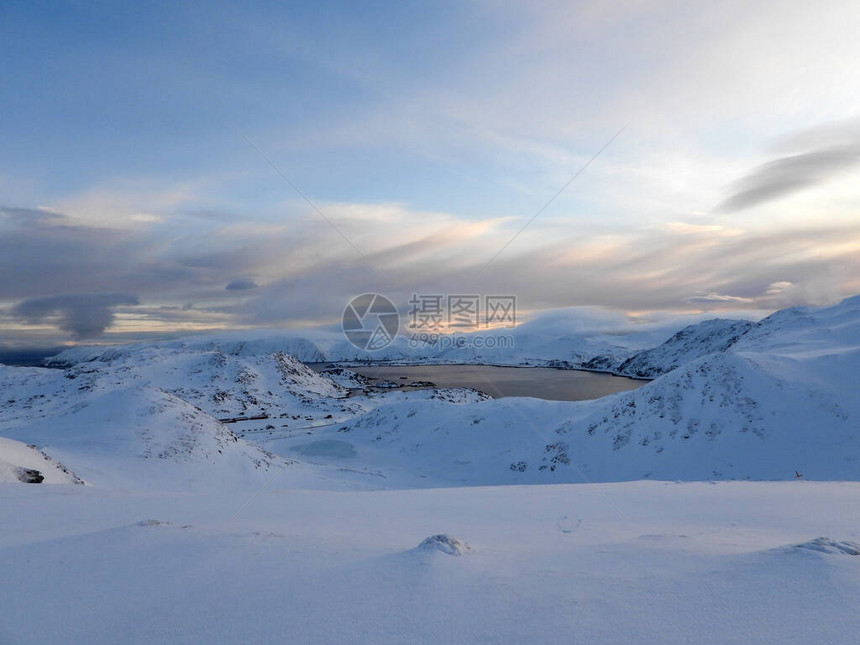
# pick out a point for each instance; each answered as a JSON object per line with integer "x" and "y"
{"x": 155, "y": 91}
{"x": 429, "y": 133}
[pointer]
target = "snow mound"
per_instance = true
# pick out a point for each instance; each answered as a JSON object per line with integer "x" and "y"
{"x": 458, "y": 395}
{"x": 22, "y": 463}
{"x": 444, "y": 543}
{"x": 148, "y": 523}
{"x": 830, "y": 546}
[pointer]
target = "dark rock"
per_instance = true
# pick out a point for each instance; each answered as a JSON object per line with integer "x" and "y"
{"x": 30, "y": 476}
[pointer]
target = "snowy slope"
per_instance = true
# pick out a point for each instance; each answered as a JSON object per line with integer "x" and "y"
{"x": 694, "y": 341}
{"x": 124, "y": 436}
{"x": 149, "y": 417}
{"x": 147, "y": 438}
{"x": 781, "y": 399}
{"x": 223, "y": 384}
{"x": 803, "y": 330}
{"x": 22, "y": 463}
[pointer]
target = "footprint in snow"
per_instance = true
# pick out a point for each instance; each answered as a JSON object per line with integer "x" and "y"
{"x": 566, "y": 525}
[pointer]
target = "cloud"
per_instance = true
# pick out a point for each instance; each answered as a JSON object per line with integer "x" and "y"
{"x": 241, "y": 284}
{"x": 305, "y": 273}
{"x": 829, "y": 151}
{"x": 84, "y": 315}
{"x": 777, "y": 288}
{"x": 710, "y": 298}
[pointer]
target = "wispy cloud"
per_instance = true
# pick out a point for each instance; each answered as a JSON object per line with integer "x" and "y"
{"x": 828, "y": 152}
{"x": 720, "y": 298}
{"x": 291, "y": 273}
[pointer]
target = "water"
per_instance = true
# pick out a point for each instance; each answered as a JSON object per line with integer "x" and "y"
{"x": 498, "y": 382}
{"x": 27, "y": 357}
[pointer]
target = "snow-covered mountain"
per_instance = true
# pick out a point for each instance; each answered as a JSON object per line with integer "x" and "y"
{"x": 694, "y": 341}
{"x": 120, "y": 435}
{"x": 771, "y": 400}
{"x": 150, "y": 416}
{"x": 222, "y": 384}
{"x": 565, "y": 338}
{"x": 778, "y": 402}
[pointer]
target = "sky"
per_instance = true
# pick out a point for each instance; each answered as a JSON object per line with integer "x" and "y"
{"x": 175, "y": 167}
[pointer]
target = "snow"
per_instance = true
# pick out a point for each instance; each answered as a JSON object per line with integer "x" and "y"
{"x": 146, "y": 438}
{"x": 663, "y": 563}
{"x": 757, "y": 407}
{"x": 829, "y": 545}
{"x": 694, "y": 341}
{"x": 235, "y": 495}
{"x": 775, "y": 400}
{"x": 443, "y": 543}
{"x": 22, "y": 463}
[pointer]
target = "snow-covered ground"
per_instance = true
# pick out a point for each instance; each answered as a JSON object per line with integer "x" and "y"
{"x": 234, "y": 495}
{"x": 643, "y": 562}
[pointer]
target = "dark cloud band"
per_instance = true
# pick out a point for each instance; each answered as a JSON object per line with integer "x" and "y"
{"x": 84, "y": 315}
